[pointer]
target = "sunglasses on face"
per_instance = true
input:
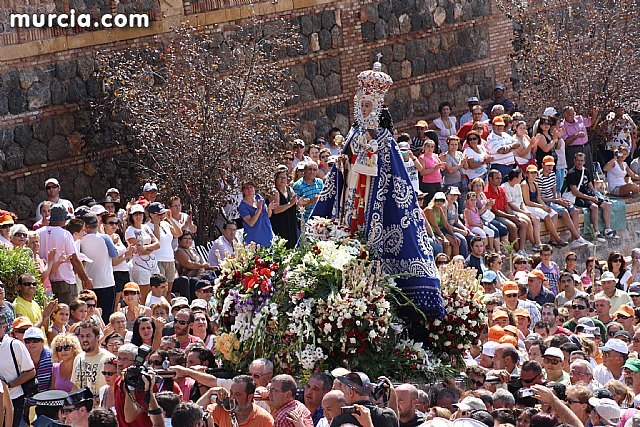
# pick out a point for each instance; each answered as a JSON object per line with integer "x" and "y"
{"x": 29, "y": 284}
{"x": 20, "y": 234}
{"x": 51, "y": 187}
{"x": 521, "y": 262}
{"x": 528, "y": 380}
{"x": 68, "y": 410}
{"x": 113, "y": 222}
{"x": 182, "y": 322}
{"x": 572, "y": 259}
{"x": 91, "y": 306}
{"x": 130, "y": 293}
{"x": 289, "y": 159}
{"x": 65, "y": 347}
{"x": 32, "y": 340}
{"x": 477, "y": 383}
{"x": 108, "y": 374}
{"x": 473, "y": 139}
{"x": 579, "y": 307}
{"x": 552, "y": 361}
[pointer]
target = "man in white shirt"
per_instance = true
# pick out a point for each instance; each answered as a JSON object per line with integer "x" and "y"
{"x": 100, "y": 249}
{"x": 501, "y": 145}
{"x": 63, "y": 280}
{"x": 222, "y": 244}
{"x": 614, "y": 356}
{"x": 9, "y": 370}
{"x": 52, "y": 187}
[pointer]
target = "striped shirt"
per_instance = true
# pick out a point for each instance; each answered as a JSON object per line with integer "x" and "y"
{"x": 304, "y": 189}
{"x": 44, "y": 370}
{"x": 546, "y": 184}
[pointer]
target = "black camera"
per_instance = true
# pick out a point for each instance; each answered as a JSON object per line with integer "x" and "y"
{"x": 350, "y": 410}
{"x": 382, "y": 390}
{"x": 134, "y": 374}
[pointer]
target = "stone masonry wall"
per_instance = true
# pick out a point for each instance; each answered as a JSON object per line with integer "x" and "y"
{"x": 435, "y": 50}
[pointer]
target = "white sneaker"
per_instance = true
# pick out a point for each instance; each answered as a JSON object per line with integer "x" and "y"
{"x": 521, "y": 252}
{"x": 599, "y": 238}
{"x": 578, "y": 243}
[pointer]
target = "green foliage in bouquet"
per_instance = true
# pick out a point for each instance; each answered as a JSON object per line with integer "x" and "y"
{"x": 14, "y": 263}
{"x": 319, "y": 306}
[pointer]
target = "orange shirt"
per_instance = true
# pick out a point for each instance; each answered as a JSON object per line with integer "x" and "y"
{"x": 258, "y": 418}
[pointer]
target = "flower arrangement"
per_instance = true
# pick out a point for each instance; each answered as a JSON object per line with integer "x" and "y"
{"x": 322, "y": 305}
{"x": 465, "y": 315}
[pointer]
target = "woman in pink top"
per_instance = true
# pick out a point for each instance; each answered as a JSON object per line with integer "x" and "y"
{"x": 431, "y": 181}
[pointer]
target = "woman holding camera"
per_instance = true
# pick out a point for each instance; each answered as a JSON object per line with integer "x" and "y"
{"x": 618, "y": 173}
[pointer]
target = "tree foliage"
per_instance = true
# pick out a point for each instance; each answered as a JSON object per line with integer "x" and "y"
{"x": 204, "y": 110}
{"x": 581, "y": 53}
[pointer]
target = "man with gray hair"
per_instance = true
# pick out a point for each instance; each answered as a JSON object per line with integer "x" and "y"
{"x": 308, "y": 188}
{"x": 284, "y": 406}
{"x": 503, "y": 399}
{"x": 581, "y": 372}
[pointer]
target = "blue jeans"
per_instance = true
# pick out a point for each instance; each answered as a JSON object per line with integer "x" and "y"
{"x": 560, "y": 174}
{"x": 437, "y": 247}
{"x": 499, "y": 229}
{"x": 504, "y": 169}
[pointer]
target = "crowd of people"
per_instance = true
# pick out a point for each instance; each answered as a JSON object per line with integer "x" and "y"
{"x": 127, "y": 331}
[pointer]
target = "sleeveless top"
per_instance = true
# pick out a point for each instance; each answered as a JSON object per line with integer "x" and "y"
{"x": 533, "y": 195}
{"x": 540, "y": 154}
{"x": 285, "y": 224}
{"x": 61, "y": 383}
{"x": 193, "y": 257}
{"x": 452, "y": 214}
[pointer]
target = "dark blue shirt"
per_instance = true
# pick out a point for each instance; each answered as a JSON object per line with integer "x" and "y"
{"x": 543, "y": 297}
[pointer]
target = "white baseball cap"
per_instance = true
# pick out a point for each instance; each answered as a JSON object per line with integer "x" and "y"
{"x": 150, "y": 186}
{"x": 607, "y": 409}
{"x": 554, "y": 352}
{"x": 51, "y": 181}
{"x": 615, "y": 344}
{"x": 489, "y": 348}
{"x": 33, "y": 332}
{"x": 471, "y": 403}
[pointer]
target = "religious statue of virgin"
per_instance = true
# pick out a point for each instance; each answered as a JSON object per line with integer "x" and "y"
{"x": 370, "y": 193}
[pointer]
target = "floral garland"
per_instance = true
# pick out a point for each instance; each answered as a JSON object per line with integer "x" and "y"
{"x": 465, "y": 314}
{"x": 322, "y": 305}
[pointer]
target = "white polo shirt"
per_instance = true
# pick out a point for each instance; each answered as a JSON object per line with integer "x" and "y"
{"x": 8, "y": 368}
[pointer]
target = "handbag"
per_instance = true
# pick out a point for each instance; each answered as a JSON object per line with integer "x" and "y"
{"x": 30, "y": 388}
{"x": 488, "y": 215}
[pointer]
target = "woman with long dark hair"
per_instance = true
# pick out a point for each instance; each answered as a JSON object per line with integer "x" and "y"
{"x": 283, "y": 218}
{"x": 145, "y": 331}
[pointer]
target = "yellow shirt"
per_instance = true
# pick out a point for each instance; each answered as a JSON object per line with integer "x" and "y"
{"x": 28, "y": 309}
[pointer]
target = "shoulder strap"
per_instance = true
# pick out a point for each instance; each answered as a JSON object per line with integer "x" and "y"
{"x": 13, "y": 355}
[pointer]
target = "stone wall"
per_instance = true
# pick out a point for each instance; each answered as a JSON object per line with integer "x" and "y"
{"x": 435, "y": 50}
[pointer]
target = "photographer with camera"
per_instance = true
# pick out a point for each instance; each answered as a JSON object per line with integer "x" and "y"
{"x": 357, "y": 390}
{"x": 134, "y": 393}
{"x": 235, "y": 408}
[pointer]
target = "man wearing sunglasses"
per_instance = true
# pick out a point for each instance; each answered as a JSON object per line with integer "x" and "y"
{"x": 25, "y": 304}
{"x": 614, "y": 355}
{"x": 52, "y": 187}
{"x": 77, "y": 407}
{"x": 8, "y": 370}
{"x": 553, "y": 360}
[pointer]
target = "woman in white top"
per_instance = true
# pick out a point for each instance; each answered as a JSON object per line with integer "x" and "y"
{"x": 617, "y": 172}
{"x": 513, "y": 192}
{"x": 111, "y": 224}
{"x": 165, "y": 230}
{"x": 524, "y": 154}
{"x": 445, "y": 125}
{"x": 476, "y": 157}
{"x": 142, "y": 238}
